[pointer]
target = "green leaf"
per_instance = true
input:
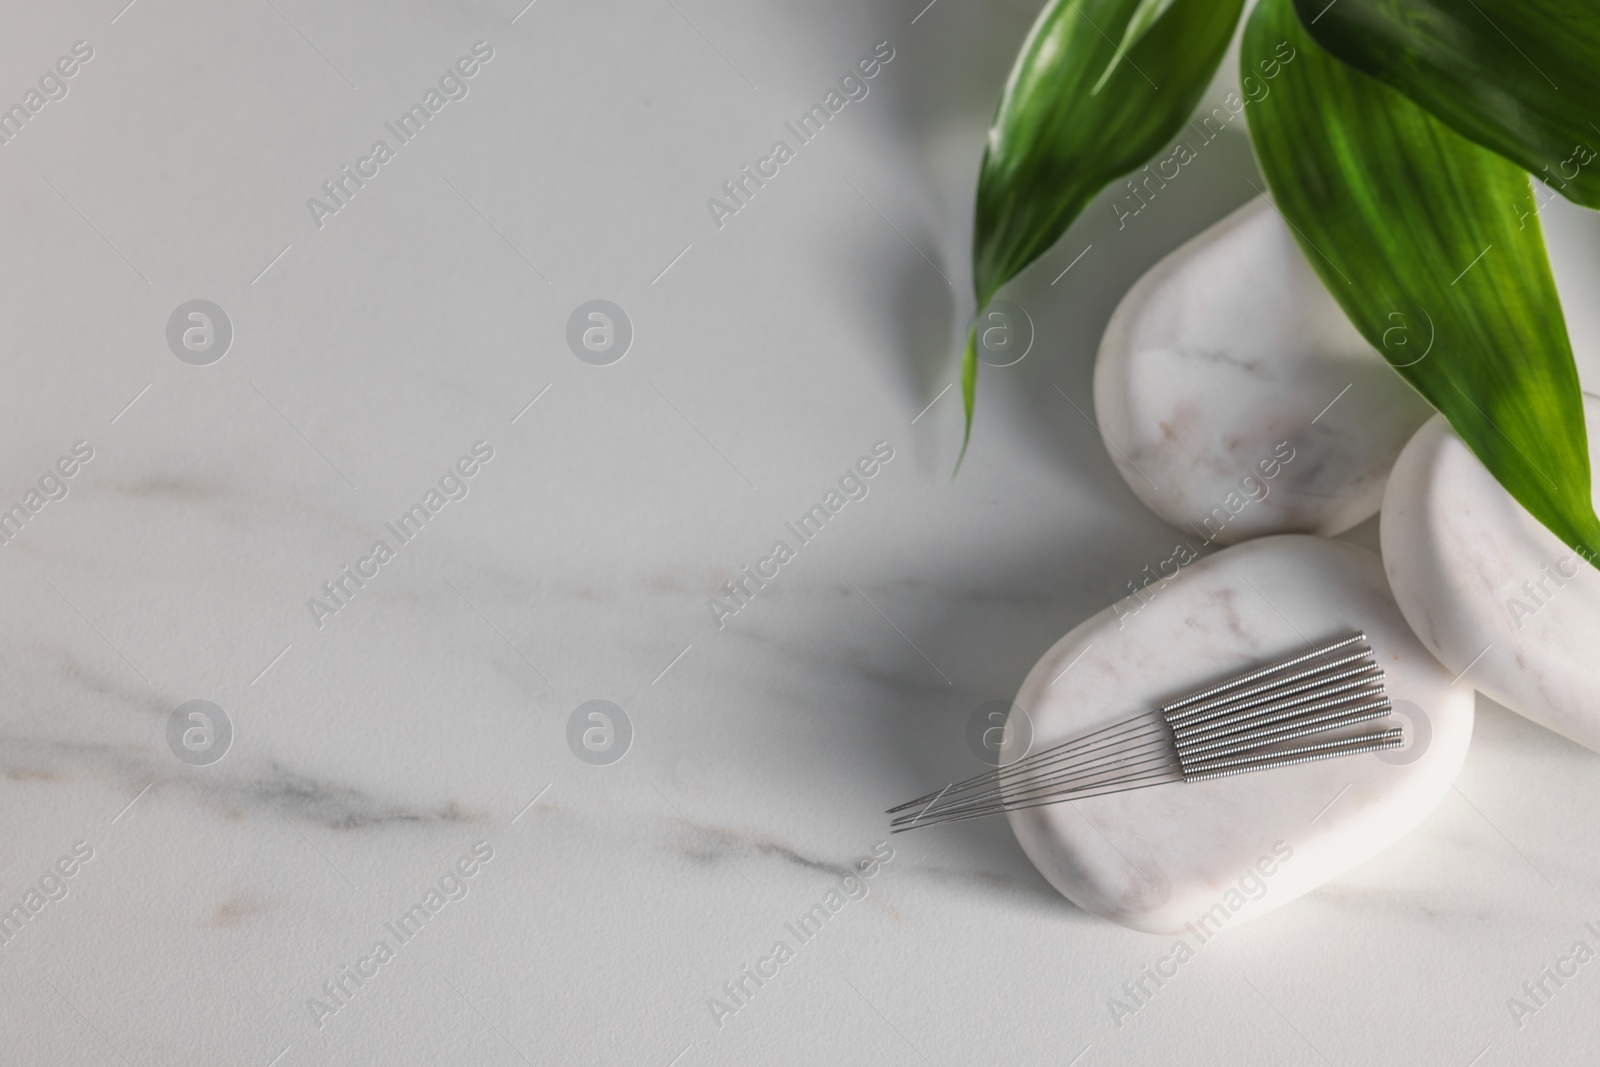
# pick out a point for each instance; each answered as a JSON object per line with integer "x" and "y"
{"x": 1144, "y": 16}
{"x": 1415, "y": 229}
{"x": 1519, "y": 76}
{"x": 1056, "y": 140}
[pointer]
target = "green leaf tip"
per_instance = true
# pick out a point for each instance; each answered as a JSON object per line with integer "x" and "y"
{"x": 1079, "y": 111}
{"x": 969, "y": 390}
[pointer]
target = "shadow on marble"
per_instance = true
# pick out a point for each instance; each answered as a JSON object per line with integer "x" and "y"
{"x": 955, "y": 59}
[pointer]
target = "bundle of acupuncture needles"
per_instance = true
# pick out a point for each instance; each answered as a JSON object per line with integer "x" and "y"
{"x": 1277, "y": 715}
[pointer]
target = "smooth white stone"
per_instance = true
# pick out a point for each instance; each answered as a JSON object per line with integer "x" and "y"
{"x": 1225, "y": 349}
{"x": 1486, "y": 586}
{"x": 1157, "y": 859}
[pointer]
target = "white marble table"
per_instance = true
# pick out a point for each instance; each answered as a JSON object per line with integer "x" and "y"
{"x": 374, "y": 746}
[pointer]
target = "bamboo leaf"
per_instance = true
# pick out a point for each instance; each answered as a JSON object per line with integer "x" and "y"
{"x": 1143, "y": 17}
{"x": 1519, "y": 76}
{"x": 1415, "y": 229}
{"x": 1058, "y": 137}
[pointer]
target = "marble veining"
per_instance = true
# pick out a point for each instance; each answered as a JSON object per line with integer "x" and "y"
{"x": 1237, "y": 399}
{"x": 433, "y": 713}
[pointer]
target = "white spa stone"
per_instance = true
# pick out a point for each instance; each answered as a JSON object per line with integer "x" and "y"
{"x": 1221, "y": 361}
{"x": 1158, "y": 859}
{"x": 1487, "y": 587}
